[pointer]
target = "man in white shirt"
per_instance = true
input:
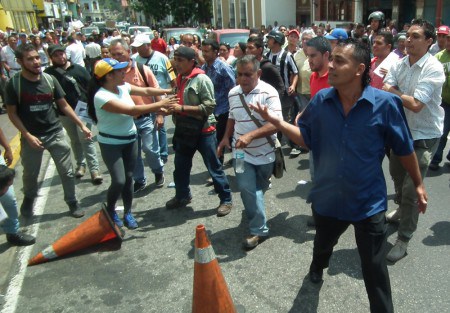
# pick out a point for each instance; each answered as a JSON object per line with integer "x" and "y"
{"x": 75, "y": 52}
{"x": 258, "y": 152}
{"x": 417, "y": 79}
{"x": 93, "y": 53}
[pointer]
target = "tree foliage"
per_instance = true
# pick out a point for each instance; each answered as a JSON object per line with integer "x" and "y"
{"x": 184, "y": 12}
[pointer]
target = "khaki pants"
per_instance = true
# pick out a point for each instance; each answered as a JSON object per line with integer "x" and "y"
{"x": 409, "y": 214}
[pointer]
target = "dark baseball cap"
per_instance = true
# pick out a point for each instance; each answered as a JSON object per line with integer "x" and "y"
{"x": 185, "y": 52}
{"x": 52, "y": 49}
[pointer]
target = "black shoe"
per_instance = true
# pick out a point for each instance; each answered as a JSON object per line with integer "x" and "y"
{"x": 20, "y": 239}
{"x": 26, "y": 209}
{"x": 159, "y": 180}
{"x": 139, "y": 186}
{"x": 75, "y": 210}
{"x": 433, "y": 166}
{"x": 315, "y": 276}
{"x": 175, "y": 203}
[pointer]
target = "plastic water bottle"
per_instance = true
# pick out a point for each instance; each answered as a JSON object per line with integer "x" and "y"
{"x": 239, "y": 156}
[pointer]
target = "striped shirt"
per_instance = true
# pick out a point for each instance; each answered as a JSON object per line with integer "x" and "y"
{"x": 289, "y": 66}
{"x": 259, "y": 151}
{"x": 423, "y": 80}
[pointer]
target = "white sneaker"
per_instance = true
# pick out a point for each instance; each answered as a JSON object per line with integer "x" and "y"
{"x": 398, "y": 251}
{"x": 294, "y": 152}
{"x": 393, "y": 216}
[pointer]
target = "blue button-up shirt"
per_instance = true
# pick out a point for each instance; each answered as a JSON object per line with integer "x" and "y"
{"x": 222, "y": 76}
{"x": 348, "y": 151}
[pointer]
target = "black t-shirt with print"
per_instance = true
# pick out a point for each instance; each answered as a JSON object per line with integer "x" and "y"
{"x": 36, "y": 109}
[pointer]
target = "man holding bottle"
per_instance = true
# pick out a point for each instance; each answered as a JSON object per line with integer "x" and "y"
{"x": 253, "y": 179}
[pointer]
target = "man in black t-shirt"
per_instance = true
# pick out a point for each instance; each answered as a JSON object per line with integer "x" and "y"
{"x": 74, "y": 80}
{"x": 30, "y": 98}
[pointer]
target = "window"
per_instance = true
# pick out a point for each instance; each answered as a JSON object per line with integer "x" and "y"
{"x": 243, "y": 14}
{"x": 232, "y": 23}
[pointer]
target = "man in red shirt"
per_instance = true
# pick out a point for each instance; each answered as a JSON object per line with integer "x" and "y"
{"x": 318, "y": 51}
{"x": 381, "y": 48}
{"x": 158, "y": 43}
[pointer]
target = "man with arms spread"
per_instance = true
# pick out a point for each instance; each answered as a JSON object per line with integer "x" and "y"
{"x": 194, "y": 131}
{"x": 30, "y": 99}
{"x": 417, "y": 79}
{"x": 259, "y": 155}
{"x": 349, "y": 187}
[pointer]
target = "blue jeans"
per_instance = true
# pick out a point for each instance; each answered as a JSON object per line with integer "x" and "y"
{"x": 11, "y": 224}
{"x": 437, "y": 158}
{"x": 183, "y": 164}
{"x": 163, "y": 147}
{"x": 149, "y": 143}
{"x": 252, "y": 184}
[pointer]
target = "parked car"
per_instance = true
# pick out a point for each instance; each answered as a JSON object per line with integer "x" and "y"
{"x": 230, "y": 36}
{"x": 87, "y": 31}
{"x": 134, "y": 30}
{"x": 167, "y": 33}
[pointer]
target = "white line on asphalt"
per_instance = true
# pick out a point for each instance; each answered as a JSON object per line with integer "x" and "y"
{"x": 12, "y": 294}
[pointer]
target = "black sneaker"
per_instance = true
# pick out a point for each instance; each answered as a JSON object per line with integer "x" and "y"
{"x": 175, "y": 203}
{"x": 20, "y": 239}
{"x": 139, "y": 186}
{"x": 159, "y": 180}
{"x": 26, "y": 209}
{"x": 75, "y": 210}
{"x": 434, "y": 166}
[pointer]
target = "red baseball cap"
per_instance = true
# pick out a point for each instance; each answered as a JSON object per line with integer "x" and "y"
{"x": 294, "y": 31}
{"x": 443, "y": 29}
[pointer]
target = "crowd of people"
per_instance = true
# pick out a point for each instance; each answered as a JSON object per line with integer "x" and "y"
{"x": 348, "y": 97}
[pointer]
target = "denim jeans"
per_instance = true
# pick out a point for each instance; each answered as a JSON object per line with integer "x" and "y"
{"x": 59, "y": 150}
{"x": 183, "y": 163}
{"x": 252, "y": 184}
{"x": 11, "y": 224}
{"x": 409, "y": 215}
{"x": 149, "y": 143}
{"x": 437, "y": 158}
{"x": 163, "y": 147}
{"x": 83, "y": 149}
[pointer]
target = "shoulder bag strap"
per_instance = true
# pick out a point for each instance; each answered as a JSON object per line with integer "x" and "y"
{"x": 141, "y": 71}
{"x": 258, "y": 123}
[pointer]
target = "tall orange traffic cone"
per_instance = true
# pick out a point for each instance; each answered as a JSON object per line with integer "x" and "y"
{"x": 97, "y": 229}
{"x": 211, "y": 293}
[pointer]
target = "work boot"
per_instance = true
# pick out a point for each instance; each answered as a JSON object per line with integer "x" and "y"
{"x": 393, "y": 216}
{"x": 252, "y": 241}
{"x": 81, "y": 170}
{"x": 96, "y": 178}
{"x": 224, "y": 209}
{"x": 20, "y": 239}
{"x": 27, "y": 209}
{"x": 129, "y": 221}
{"x": 159, "y": 180}
{"x": 398, "y": 251}
{"x": 75, "y": 210}
{"x": 175, "y": 203}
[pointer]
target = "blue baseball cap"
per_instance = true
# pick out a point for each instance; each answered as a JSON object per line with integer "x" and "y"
{"x": 337, "y": 34}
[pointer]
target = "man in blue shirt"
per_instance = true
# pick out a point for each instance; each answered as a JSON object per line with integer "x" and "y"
{"x": 347, "y": 128}
{"x": 222, "y": 76}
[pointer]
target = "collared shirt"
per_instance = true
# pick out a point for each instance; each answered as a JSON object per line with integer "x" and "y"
{"x": 222, "y": 76}
{"x": 93, "y": 50}
{"x": 348, "y": 151}
{"x": 8, "y": 56}
{"x": 423, "y": 80}
{"x": 259, "y": 151}
{"x": 134, "y": 77}
{"x": 318, "y": 82}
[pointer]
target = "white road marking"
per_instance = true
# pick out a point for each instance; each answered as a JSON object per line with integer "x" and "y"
{"x": 15, "y": 286}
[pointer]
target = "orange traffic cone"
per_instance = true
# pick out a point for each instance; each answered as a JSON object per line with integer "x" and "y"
{"x": 211, "y": 293}
{"x": 97, "y": 229}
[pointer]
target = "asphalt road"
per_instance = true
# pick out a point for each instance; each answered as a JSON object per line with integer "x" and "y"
{"x": 152, "y": 271}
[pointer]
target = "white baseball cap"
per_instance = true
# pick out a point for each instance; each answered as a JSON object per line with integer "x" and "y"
{"x": 140, "y": 39}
